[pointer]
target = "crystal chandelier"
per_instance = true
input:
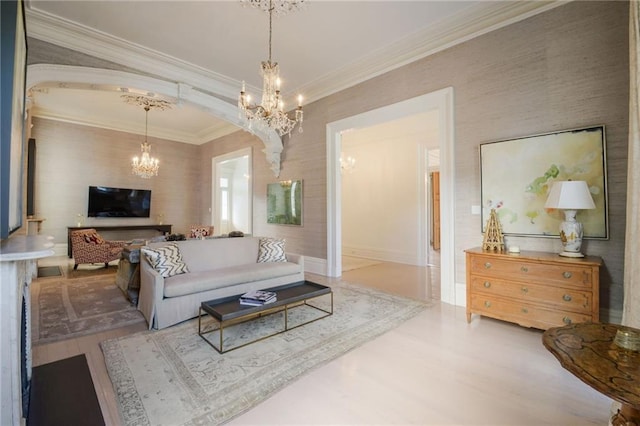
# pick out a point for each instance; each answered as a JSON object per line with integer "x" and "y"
{"x": 146, "y": 166}
{"x": 270, "y": 114}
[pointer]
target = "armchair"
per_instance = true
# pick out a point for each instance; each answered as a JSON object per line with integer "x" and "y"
{"x": 87, "y": 246}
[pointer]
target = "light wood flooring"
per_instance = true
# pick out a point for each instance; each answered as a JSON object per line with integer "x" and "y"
{"x": 435, "y": 369}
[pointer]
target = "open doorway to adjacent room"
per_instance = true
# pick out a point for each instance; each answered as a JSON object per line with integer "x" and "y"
{"x": 381, "y": 199}
{"x": 232, "y": 208}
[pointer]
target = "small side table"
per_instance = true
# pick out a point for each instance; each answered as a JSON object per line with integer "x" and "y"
{"x": 128, "y": 276}
{"x": 588, "y": 351}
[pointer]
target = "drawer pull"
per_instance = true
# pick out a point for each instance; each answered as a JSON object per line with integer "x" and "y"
{"x": 524, "y": 269}
{"x": 487, "y": 284}
{"x": 487, "y": 265}
{"x": 566, "y": 298}
{"x": 566, "y": 320}
{"x": 567, "y": 274}
{"x": 487, "y": 304}
{"x": 525, "y": 290}
{"x": 525, "y": 311}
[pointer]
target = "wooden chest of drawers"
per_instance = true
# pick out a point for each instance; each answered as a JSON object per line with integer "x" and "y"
{"x": 533, "y": 289}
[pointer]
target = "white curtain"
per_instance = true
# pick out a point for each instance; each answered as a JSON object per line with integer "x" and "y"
{"x": 631, "y": 313}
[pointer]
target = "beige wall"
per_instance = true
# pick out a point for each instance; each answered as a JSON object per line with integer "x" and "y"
{"x": 565, "y": 68}
{"x": 72, "y": 157}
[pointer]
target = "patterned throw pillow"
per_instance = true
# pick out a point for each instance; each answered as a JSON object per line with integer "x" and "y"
{"x": 93, "y": 238}
{"x": 271, "y": 250}
{"x": 200, "y": 232}
{"x": 167, "y": 260}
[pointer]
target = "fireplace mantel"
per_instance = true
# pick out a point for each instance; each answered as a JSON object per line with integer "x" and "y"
{"x": 18, "y": 265}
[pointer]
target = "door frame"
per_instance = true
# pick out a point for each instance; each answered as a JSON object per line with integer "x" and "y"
{"x": 442, "y": 101}
{"x": 214, "y": 182}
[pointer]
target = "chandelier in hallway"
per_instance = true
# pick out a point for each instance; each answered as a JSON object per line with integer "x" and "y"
{"x": 270, "y": 113}
{"x": 146, "y": 166}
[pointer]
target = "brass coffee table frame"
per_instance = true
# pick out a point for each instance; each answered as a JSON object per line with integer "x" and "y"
{"x": 228, "y": 311}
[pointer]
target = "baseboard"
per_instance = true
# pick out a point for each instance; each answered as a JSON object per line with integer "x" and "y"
{"x": 60, "y": 249}
{"x": 315, "y": 265}
{"x": 383, "y": 255}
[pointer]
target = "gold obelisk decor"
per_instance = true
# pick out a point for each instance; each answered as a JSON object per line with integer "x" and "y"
{"x": 493, "y": 238}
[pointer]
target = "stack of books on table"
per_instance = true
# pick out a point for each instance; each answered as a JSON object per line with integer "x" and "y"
{"x": 257, "y": 298}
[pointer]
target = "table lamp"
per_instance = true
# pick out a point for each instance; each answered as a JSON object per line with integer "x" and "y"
{"x": 570, "y": 196}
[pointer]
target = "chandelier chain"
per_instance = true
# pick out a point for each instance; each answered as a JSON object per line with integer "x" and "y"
{"x": 270, "y": 113}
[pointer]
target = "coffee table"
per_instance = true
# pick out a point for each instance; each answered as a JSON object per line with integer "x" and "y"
{"x": 588, "y": 351}
{"x": 228, "y": 311}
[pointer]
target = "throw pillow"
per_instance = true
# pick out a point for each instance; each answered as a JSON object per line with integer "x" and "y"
{"x": 167, "y": 260}
{"x": 200, "y": 232}
{"x": 93, "y": 238}
{"x": 271, "y": 250}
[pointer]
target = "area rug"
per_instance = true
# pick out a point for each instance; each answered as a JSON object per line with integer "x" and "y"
{"x": 49, "y": 271}
{"x": 64, "y": 308}
{"x": 173, "y": 376}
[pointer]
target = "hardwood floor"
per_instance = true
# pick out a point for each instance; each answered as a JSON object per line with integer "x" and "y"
{"x": 434, "y": 369}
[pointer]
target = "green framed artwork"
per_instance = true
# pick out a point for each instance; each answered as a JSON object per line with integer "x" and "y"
{"x": 516, "y": 176}
{"x": 284, "y": 202}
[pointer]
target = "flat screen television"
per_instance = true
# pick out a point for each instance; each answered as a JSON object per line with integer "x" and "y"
{"x": 118, "y": 202}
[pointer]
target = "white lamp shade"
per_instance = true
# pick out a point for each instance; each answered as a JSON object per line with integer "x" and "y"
{"x": 570, "y": 195}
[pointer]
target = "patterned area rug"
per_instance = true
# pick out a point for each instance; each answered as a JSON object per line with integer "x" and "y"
{"x": 68, "y": 307}
{"x": 173, "y": 376}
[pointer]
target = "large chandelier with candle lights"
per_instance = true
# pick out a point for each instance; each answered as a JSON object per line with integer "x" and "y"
{"x": 270, "y": 113}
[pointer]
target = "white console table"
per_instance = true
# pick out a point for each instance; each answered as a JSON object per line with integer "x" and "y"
{"x": 18, "y": 265}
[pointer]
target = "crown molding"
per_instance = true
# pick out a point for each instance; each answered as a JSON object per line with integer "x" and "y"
{"x": 480, "y": 19}
{"x": 165, "y": 133}
{"x": 473, "y": 22}
{"x": 71, "y": 35}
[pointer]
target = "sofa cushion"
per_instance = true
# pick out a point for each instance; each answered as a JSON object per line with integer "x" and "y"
{"x": 196, "y": 282}
{"x": 167, "y": 260}
{"x": 271, "y": 250}
{"x": 217, "y": 253}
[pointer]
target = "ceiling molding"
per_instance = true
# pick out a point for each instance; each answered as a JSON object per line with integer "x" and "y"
{"x": 480, "y": 19}
{"x": 166, "y": 133}
{"x": 473, "y": 22}
{"x": 68, "y": 34}
{"x": 46, "y": 73}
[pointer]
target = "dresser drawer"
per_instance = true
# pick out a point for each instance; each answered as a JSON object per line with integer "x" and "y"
{"x": 532, "y": 272}
{"x": 566, "y": 299}
{"x": 525, "y": 314}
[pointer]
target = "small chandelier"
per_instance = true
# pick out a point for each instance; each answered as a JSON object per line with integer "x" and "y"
{"x": 270, "y": 115}
{"x": 146, "y": 166}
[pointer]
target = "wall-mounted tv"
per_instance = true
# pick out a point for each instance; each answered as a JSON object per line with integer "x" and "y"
{"x": 118, "y": 202}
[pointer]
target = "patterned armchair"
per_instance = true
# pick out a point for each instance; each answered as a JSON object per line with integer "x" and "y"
{"x": 200, "y": 231}
{"x": 87, "y": 246}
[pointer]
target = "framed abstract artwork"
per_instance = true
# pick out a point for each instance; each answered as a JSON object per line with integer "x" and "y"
{"x": 284, "y": 202}
{"x": 517, "y": 174}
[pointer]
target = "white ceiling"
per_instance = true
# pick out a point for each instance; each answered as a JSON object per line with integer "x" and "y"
{"x": 325, "y": 47}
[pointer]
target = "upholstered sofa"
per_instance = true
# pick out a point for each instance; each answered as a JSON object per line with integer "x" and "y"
{"x": 209, "y": 269}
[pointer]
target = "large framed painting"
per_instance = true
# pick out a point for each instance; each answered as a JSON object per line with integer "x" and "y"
{"x": 284, "y": 202}
{"x": 517, "y": 174}
{"x": 12, "y": 118}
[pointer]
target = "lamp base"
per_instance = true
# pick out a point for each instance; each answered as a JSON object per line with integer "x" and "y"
{"x": 571, "y": 254}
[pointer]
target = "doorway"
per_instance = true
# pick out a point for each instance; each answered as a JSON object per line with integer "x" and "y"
{"x": 232, "y": 208}
{"x": 440, "y": 101}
